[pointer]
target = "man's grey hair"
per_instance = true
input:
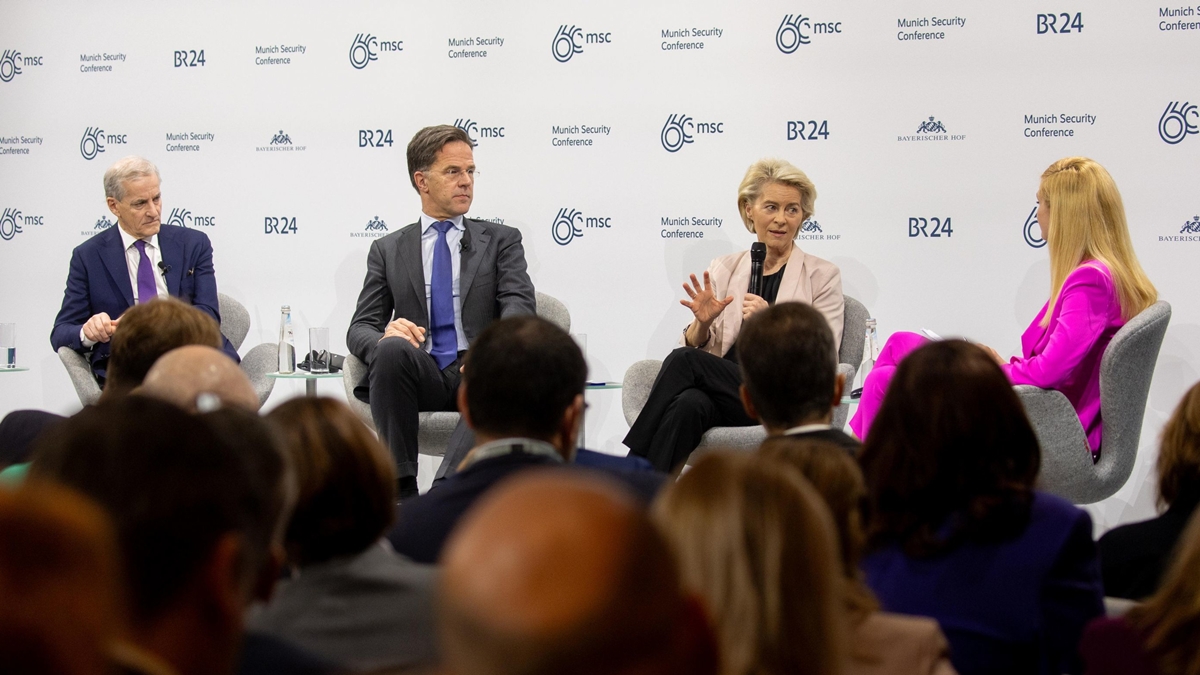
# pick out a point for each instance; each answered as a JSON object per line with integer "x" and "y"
{"x": 126, "y": 169}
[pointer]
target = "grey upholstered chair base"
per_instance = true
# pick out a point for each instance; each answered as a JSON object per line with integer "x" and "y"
{"x": 433, "y": 435}
{"x": 639, "y": 379}
{"x": 1125, "y": 373}
{"x": 235, "y": 324}
{"x": 259, "y": 362}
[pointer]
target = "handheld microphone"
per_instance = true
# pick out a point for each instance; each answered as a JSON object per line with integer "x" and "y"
{"x": 758, "y": 253}
{"x": 164, "y": 267}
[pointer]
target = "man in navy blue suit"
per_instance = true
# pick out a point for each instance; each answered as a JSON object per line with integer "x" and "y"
{"x": 135, "y": 262}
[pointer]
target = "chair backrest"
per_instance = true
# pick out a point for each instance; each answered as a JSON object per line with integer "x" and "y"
{"x": 235, "y": 320}
{"x": 1125, "y": 373}
{"x": 80, "y": 372}
{"x": 551, "y": 309}
{"x": 854, "y": 330}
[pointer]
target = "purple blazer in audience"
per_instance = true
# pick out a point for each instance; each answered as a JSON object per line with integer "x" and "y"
{"x": 1018, "y": 606}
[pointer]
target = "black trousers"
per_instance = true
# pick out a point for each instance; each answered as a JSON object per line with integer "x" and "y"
{"x": 694, "y": 392}
{"x": 404, "y": 381}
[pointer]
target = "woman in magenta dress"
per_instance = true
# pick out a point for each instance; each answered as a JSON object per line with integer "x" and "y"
{"x": 1096, "y": 285}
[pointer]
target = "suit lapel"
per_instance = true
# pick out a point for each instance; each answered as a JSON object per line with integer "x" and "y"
{"x": 171, "y": 250}
{"x": 471, "y": 256}
{"x": 113, "y": 255}
{"x": 795, "y": 284}
{"x": 739, "y": 281}
{"x": 409, "y": 251}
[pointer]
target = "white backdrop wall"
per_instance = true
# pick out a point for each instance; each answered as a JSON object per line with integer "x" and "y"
{"x": 897, "y": 111}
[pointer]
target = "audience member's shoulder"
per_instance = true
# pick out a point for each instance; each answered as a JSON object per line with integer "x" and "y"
{"x": 1051, "y": 507}
{"x": 264, "y": 654}
{"x": 1111, "y": 645}
{"x": 887, "y": 643}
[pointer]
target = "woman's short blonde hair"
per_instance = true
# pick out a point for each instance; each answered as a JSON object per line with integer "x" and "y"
{"x": 766, "y": 171}
{"x": 757, "y": 543}
{"x": 1087, "y": 222}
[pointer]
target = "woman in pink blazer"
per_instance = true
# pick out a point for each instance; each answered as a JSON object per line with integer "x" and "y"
{"x": 1096, "y": 285}
{"x": 697, "y": 388}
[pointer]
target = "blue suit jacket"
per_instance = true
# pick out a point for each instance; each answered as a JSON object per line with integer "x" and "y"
{"x": 98, "y": 281}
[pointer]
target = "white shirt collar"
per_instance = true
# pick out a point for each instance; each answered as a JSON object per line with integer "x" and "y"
{"x": 127, "y": 239}
{"x": 428, "y": 221}
{"x": 807, "y": 428}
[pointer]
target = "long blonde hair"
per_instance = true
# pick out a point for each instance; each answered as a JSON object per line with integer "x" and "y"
{"x": 1087, "y": 222}
{"x": 755, "y": 540}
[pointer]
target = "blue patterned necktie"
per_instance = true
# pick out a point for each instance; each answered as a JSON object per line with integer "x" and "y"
{"x": 146, "y": 289}
{"x": 441, "y": 300}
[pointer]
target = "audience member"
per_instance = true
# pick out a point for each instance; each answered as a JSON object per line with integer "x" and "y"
{"x": 958, "y": 532}
{"x": 522, "y": 395}
{"x": 789, "y": 373}
{"x": 147, "y": 332}
{"x": 61, "y": 607}
{"x": 196, "y": 503}
{"x": 1133, "y": 557}
{"x": 559, "y": 573}
{"x": 753, "y": 539}
{"x": 880, "y": 642}
{"x": 198, "y": 378}
{"x": 350, "y": 598}
{"x": 1160, "y": 636}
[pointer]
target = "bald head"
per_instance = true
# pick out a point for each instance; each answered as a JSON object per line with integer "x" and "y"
{"x": 557, "y": 572}
{"x": 182, "y": 375}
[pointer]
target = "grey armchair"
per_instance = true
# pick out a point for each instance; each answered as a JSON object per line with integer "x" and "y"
{"x": 433, "y": 435}
{"x": 639, "y": 379}
{"x": 1125, "y": 373}
{"x": 235, "y": 325}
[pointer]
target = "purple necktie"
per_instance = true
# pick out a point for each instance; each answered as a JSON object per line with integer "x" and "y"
{"x": 147, "y": 291}
{"x": 441, "y": 300}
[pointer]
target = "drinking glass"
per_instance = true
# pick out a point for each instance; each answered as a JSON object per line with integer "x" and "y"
{"x": 318, "y": 350}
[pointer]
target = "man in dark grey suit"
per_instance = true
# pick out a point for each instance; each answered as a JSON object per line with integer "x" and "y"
{"x": 430, "y": 289}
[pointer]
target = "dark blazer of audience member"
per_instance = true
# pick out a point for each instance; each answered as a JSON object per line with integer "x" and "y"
{"x": 881, "y": 643}
{"x": 790, "y": 381}
{"x": 522, "y": 394}
{"x": 558, "y": 572}
{"x": 349, "y": 598}
{"x": 1133, "y": 557}
{"x": 103, "y": 278}
{"x": 393, "y": 328}
{"x": 958, "y": 532}
{"x": 1160, "y": 636}
{"x": 197, "y": 503}
{"x": 63, "y": 603}
{"x": 755, "y": 541}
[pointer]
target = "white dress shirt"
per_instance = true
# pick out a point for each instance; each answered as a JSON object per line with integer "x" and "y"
{"x": 133, "y": 258}
{"x": 454, "y": 235}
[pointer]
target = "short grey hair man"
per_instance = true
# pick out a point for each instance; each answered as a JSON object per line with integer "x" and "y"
{"x": 125, "y": 169}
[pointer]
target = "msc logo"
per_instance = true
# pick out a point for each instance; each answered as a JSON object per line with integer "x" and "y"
{"x": 929, "y": 227}
{"x": 570, "y": 223}
{"x": 797, "y": 29}
{"x": 10, "y": 224}
{"x": 1046, "y": 23}
{"x": 280, "y": 225}
{"x": 184, "y": 218}
{"x": 376, "y": 225}
{"x": 374, "y": 138}
{"x": 363, "y": 49}
{"x": 1189, "y": 227}
{"x": 1033, "y": 231}
{"x": 11, "y": 62}
{"x": 1177, "y": 122}
{"x": 931, "y": 127}
{"x": 189, "y": 58}
{"x": 103, "y": 223}
{"x": 94, "y": 140}
{"x": 476, "y": 131}
{"x": 567, "y": 42}
{"x": 811, "y": 226}
{"x": 678, "y": 130}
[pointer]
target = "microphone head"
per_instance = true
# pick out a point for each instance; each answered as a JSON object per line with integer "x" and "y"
{"x": 758, "y": 251}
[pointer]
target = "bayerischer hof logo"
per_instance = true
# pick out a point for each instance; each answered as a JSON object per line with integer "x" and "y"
{"x": 281, "y": 142}
{"x": 931, "y": 129}
{"x": 1178, "y": 121}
